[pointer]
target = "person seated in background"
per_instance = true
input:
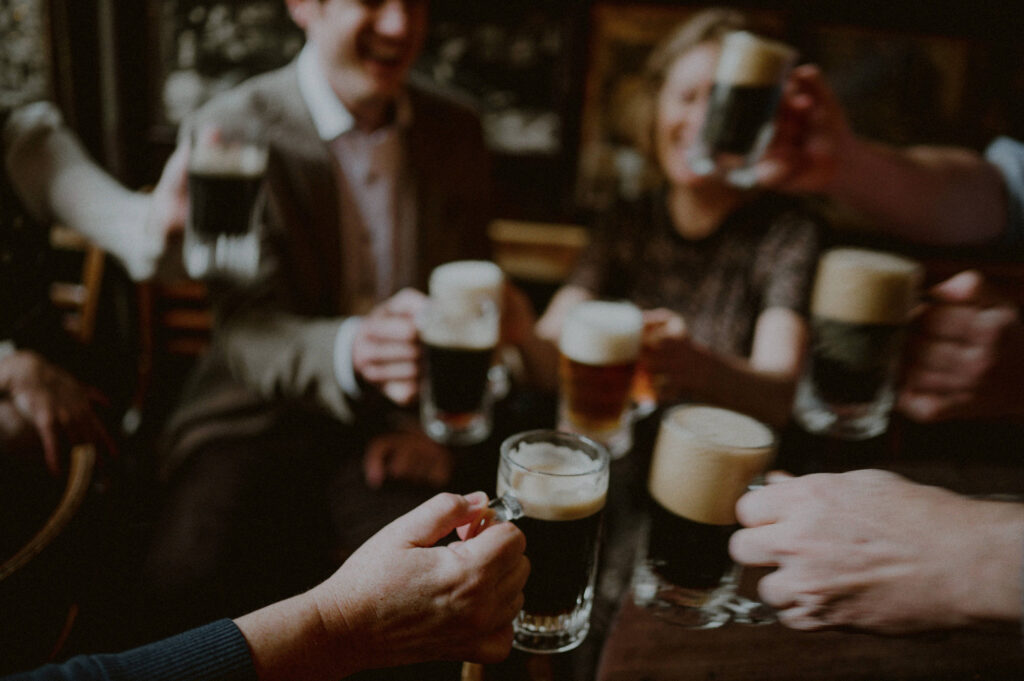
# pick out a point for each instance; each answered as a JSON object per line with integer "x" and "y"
{"x": 291, "y": 443}
{"x": 397, "y": 600}
{"x": 872, "y": 550}
{"x": 723, "y": 274}
{"x": 965, "y": 360}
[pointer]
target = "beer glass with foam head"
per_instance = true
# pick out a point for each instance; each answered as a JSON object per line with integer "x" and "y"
{"x": 474, "y": 279}
{"x": 459, "y": 337}
{"x": 226, "y": 165}
{"x": 740, "y": 118}
{"x": 554, "y": 485}
{"x": 704, "y": 460}
{"x": 598, "y": 352}
{"x": 860, "y": 311}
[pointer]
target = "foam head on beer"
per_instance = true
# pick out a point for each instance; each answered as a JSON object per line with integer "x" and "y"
{"x": 212, "y": 154}
{"x": 705, "y": 457}
{"x": 469, "y": 280}
{"x": 555, "y": 482}
{"x": 749, "y": 60}
{"x": 602, "y": 333}
{"x": 860, "y": 286}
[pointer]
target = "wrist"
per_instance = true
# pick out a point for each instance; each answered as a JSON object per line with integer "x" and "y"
{"x": 991, "y": 585}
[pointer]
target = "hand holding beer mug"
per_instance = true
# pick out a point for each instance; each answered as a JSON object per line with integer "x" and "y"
{"x": 226, "y": 165}
{"x": 704, "y": 460}
{"x": 740, "y": 118}
{"x": 554, "y": 485}
{"x": 860, "y": 311}
{"x": 598, "y": 352}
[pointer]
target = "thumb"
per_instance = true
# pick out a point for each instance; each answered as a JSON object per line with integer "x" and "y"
{"x": 435, "y": 518}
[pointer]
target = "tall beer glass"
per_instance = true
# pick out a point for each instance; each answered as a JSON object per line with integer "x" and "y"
{"x": 704, "y": 459}
{"x": 459, "y": 337}
{"x": 554, "y": 485}
{"x": 598, "y": 349}
{"x": 475, "y": 280}
{"x": 740, "y": 118}
{"x": 860, "y": 309}
{"x": 225, "y": 172}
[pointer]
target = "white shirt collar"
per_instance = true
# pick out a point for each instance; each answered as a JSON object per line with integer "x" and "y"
{"x": 330, "y": 116}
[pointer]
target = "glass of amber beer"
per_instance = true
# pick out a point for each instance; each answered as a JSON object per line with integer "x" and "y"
{"x": 598, "y": 352}
{"x": 554, "y": 485}
{"x": 704, "y": 460}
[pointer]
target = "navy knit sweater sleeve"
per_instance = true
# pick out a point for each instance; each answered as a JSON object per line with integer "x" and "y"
{"x": 214, "y": 652}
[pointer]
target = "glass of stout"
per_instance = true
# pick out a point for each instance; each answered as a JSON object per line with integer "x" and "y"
{"x": 740, "y": 118}
{"x": 704, "y": 460}
{"x": 860, "y": 312}
{"x": 226, "y": 165}
{"x": 554, "y": 485}
{"x": 459, "y": 337}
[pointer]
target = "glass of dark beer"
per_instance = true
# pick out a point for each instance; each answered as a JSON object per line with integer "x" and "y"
{"x": 226, "y": 165}
{"x": 740, "y": 118}
{"x": 459, "y": 336}
{"x": 704, "y": 460}
{"x": 598, "y": 352}
{"x": 554, "y": 485}
{"x": 860, "y": 311}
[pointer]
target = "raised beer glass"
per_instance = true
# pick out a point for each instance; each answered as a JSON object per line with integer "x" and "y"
{"x": 475, "y": 279}
{"x": 554, "y": 485}
{"x": 598, "y": 352}
{"x": 740, "y": 118}
{"x": 226, "y": 165}
{"x": 704, "y": 460}
{"x": 860, "y": 310}
{"x": 459, "y": 337}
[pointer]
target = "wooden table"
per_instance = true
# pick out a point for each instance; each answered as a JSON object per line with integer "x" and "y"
{"x": 630, "y": 643}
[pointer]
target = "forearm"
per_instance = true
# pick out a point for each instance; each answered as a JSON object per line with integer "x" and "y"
{"x": 290, "y": 641}
{"x": 991, "y": 592}
{"x": 944, "y": 196}
{"x": 732, "y": 382}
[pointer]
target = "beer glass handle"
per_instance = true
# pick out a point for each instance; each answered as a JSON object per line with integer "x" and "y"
{"x": 505, "y": 507}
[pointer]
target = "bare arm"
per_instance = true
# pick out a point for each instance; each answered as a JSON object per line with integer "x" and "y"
{"x": 937, "y": 195}
{"x": 399, "y": 599}
{"x": 762, "y": 386}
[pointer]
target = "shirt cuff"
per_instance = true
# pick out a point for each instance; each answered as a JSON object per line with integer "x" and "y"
{"x": 344, "y": 372}
{"x": 7, "y": 347}
{"x": 1007, "y": 155}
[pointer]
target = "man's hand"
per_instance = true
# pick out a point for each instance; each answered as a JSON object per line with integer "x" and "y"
{"x": 966, "y": 358}
{"x": 811, "y": 138}
{"x": 386, "y": 349}
{"x": 401, "y": 599}
{"x": 870, "y": 549}
{"x": 409, "y": 456}
{"x": 54, "y": 402}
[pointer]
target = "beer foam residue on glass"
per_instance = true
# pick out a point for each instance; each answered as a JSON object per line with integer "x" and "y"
{"x": 456, "y": 325}
{"x": 468, "y": 279}
{"x": 554, "y": 482}
{"x": 723, "y": 427}
{"x": 866, "y": 287}
{"x": 230, "y": 159}
{"x": 748, "y": 59}
{"x": 602, "y": 332}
